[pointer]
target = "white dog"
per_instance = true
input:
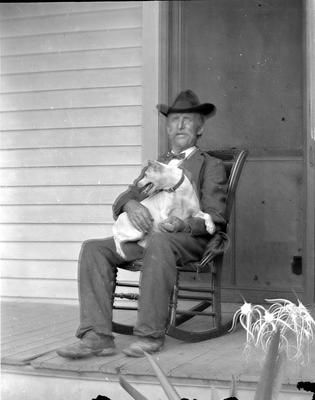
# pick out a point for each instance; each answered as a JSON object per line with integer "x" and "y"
{"x": 171, "y": 194}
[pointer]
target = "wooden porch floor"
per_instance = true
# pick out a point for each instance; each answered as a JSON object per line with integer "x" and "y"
{"x": 32, "y": 331}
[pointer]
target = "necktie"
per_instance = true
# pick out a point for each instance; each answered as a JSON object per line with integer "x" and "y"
{"x": 171, "y": 156}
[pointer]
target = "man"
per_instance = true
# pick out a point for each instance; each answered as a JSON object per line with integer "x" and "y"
{"x": 179, "y": 242}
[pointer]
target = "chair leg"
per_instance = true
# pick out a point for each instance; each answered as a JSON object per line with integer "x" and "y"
{"x": 118, "y": 327}
{"x": 122, "y": 329}
{"x": 208, "y": 308}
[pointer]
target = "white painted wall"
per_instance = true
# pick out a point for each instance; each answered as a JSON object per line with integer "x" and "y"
{"x": 71, "y": 135}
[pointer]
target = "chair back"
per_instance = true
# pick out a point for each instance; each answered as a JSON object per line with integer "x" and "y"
{"x": 233, "y": 160}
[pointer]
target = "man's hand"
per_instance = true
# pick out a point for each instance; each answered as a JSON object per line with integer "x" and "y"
{"x": 173, "y": 224}
{"x": 139, "y": 216}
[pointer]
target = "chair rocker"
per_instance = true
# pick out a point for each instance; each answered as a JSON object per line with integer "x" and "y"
{"x": 195, "y": 304}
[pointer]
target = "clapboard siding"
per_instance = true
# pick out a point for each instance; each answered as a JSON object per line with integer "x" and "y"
{"x": 72, "y": 22}
{"x": 51, "y": 269}
{"x": 60, "y": 194}
{"x": 103, "y": 136}
{"x": 71, "y": 121}
{"x": 74, "y": 213}
{"x": 56, "y": 176}
{"x": 96, "y": 97}
{"x": 83, "y": 79}
{"x": 74, "y": 60}
{"x": 46, "y": 270}
{"x": 40, "y": 250}
{"x": 39, "y": 288}
{"x": 52, "y": 232}
{"x": 67, "y": 118}
{"x": 58, "y": 289}
{"x": 20, "y": 10}
{"x": 72, "y": 41}
{"x": 70, "y": 156}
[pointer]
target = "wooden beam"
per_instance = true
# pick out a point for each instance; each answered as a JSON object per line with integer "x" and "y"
{"x": 164, "y": 65}
{"x": 309, "y": 121}
{"x": 155, "y": 77}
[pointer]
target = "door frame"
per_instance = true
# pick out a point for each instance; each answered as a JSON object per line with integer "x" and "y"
{"x": 309, "y": 129}
{"x": 155, "y": 73}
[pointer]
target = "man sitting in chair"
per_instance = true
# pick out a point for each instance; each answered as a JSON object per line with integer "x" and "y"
{"x": 179, "y": 242}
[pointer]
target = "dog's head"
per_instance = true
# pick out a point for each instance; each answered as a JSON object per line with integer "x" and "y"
{"x": 161, "y": 176}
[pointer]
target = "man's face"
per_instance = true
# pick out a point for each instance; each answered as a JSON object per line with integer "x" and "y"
{"x": 183, "y": 130}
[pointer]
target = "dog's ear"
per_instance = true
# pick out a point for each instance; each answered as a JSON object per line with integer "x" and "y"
{"x": 152, "y": 165}
{"x": 155, "y": 165}
{"x": 160, "y": 166}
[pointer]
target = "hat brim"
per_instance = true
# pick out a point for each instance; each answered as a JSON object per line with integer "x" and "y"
{"x": 206, "y": 109}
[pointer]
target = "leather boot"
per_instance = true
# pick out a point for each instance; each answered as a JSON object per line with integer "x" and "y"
{"x": 147, "y": 344}
{"x": 91, "y": 344}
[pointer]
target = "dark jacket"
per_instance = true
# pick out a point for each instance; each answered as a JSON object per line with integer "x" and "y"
{"x": 207, "y": 174}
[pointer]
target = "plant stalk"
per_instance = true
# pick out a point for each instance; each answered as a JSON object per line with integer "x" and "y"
{"x": 270, "y": 381}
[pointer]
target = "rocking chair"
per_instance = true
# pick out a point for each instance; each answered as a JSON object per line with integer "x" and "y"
{"x": 195, "y": 304}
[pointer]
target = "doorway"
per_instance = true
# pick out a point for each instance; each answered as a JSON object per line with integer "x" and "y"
{"x": 246, "y": 57}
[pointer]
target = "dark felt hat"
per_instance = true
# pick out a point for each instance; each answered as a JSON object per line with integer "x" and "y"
{"x": 187, "y": 102}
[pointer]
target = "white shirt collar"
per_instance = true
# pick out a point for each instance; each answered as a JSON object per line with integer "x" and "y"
{"x": 187, "y": 152}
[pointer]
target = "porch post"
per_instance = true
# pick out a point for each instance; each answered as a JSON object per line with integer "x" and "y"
{"x": 309, "y": 109}
{"x": 155, "y": 76}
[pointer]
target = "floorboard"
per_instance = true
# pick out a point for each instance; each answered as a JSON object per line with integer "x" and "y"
{"x": 32, "y": 332}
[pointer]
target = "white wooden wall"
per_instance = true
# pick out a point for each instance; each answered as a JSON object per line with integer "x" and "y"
{"x": 71, "y": 110}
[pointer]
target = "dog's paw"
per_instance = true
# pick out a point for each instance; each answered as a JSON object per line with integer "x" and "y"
{"x": 119, "y": 250}
{"x": 210, "y": 226}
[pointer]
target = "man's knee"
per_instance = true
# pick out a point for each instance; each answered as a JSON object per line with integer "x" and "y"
{"x": 158, "y": 240}
{"x": 95, "y": 245}
{"x": 160, "y": 252}
{"x": 159, "y": 263}
{"x": 88, "y": 247}
{"x": 94, "y": 250}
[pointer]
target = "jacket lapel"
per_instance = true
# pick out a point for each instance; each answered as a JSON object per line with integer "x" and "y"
{"x": 194, "y": 165}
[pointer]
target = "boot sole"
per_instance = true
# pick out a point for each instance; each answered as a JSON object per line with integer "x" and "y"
{"x": 98, "y": 353}
{"x": 140, "y": 352}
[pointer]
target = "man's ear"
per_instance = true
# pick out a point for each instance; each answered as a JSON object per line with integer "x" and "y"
{"x": 200, "y": 131}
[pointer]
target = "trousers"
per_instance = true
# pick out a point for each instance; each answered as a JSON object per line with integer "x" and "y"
{"x": 98, "y": 263}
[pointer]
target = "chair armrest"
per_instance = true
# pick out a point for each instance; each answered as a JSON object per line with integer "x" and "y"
{"x": 218, "y": 244}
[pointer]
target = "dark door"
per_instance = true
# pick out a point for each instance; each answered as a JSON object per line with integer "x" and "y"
{"x": 246, "y": 56}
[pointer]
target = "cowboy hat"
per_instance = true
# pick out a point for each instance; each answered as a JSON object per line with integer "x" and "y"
{"x": 187, "y": 102}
